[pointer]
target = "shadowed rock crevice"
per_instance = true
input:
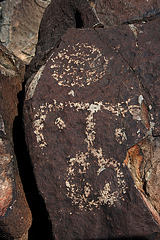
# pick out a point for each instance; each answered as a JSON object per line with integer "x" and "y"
{"x": 78, "y": 18}
{"x": 41, "y": 225}
{"x": 125, "y": 12}
{"x": 143, "y": 19}
{"x": 124, "y": 238}
{"x": 68, "y": 14}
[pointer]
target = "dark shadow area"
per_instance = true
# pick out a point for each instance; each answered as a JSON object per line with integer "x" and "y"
{"x": 129, "y": 238}
{"x": 121, "y": 238}
{"x": 79, "y": 21}
{"x": 4, "y": 236}
{"x": 41, "y": 226}
{"x": 145, "y": 187}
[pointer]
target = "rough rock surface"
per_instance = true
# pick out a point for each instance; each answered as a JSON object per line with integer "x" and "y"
{"x": 61, "y": 15}
{"x": 58, "y": 17}
{"x": 19, "y": 24}
{"x": 117, "y": 12}
{"x": 15, "y": 216}
{"x": 143, "y": 160}
{"x": 83, "y": 110}
{"x": 11, "y": 77}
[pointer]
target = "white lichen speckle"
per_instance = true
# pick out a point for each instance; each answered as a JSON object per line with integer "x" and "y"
{"x": 140, "y": 99}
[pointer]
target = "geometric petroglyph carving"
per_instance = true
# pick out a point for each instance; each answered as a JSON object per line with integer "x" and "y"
{"x": 79, "y": 64}
{"x": 78, "y": 166}
{"x": 119, "y": 109}
{"x": 88, "y": 194}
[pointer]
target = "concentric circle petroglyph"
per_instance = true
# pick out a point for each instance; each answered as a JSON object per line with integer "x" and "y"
{"x": 79, "y": 64}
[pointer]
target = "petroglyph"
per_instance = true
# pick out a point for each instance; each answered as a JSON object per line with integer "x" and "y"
{"x": 120, "y": 109}
{"x": 71, "y": 92}
{"x": 81, "y": 58}
{"x": 60, "y": 123}
{"x": 85, "y": 193}
{"x": 81, "y": 65}
{"x": 78, "y": 166}
{"x": 120, "y": 135}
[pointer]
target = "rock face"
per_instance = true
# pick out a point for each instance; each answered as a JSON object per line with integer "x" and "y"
{"x": 144, "y": 163}
{"x": 117, "y": 12}
{"x": 91, "y": 102}
{"x": 19, "y": 24}
{"x": 15, "y": 216}
{"x": 58, "y": 17}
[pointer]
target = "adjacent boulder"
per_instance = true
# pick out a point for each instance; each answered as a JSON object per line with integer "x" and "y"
{"x": 58, "y": 17}
{"x": 19, "y": 25}
{"x": 118, "y": 12}
{"x": 144, "y": 163}
{"x": 84, "y": 108}
{"x": 15, "y": 215}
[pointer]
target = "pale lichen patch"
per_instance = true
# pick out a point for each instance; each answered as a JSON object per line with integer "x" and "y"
{"x": 134, "y": 29}
{"x": 140, "y": 99}
{"x": 2, "y": 127}
{"x": 6, "y": 183}
{"x": 32, "y": 87}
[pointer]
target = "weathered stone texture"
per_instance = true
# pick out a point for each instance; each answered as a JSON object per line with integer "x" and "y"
{"x": 83, "y": 110}
{"x": 117, "y": 12}
{"x": 15, "y": 216}
{"x": 19, "y": 24}
{"x": 61, "y": 15}
{"x": 11, "y": 77}
{"x": 144, "y": 163}
{"x": 58, "y": 17}
{"x": 143, "y": 58}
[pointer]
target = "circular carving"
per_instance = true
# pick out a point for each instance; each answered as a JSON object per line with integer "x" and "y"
{"x": 79, "y": 64}
{"x": 108, "y": 188}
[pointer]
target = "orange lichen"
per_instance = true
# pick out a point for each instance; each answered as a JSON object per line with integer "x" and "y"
{"x": 134, "y": 158}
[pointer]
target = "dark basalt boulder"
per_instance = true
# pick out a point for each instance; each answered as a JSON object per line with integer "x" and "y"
{"x": 61, "y": 15}
{"x": 118, "y": 12}
{"x": 58, "y": 17}
{"x": 15, "y": 215}
{"x": 85, "y": 107}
